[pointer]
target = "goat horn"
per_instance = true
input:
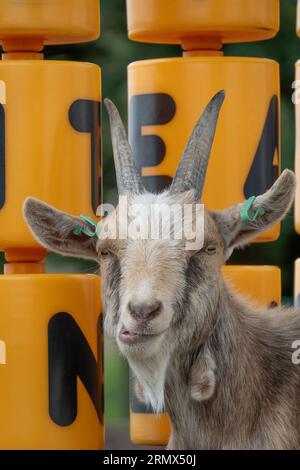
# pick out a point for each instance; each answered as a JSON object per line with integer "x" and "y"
{"x": 191, "y": 171}
{"x": 128, "y": 177}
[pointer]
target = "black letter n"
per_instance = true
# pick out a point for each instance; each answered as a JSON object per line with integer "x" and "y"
{"x": 69, "y": 357}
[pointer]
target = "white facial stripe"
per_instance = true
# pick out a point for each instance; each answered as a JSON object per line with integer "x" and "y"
{"x": 143, "y": 292}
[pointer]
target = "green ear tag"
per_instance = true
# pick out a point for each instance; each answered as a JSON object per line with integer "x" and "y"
{"x": 77, "y": 231}
{"x": 85, "y": 230}
{"x": 245, "y": 216}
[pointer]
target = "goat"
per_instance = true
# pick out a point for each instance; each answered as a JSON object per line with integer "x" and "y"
{"x": 222, "y": 369}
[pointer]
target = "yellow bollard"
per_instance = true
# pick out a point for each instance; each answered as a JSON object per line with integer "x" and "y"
{"x": 260, "y": 285}
{"x": 48, "y": 22}
{"x": 50, "y": 327}
{"x": 50, "y": 134}
{"x": 166, "y": 96}
{"x": 147, "y": 428}
{"x": 51, "y": 358}
{"x": 222, "y": 20}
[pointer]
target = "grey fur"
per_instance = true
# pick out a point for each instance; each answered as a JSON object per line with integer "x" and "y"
{"x": 54, "y": 229}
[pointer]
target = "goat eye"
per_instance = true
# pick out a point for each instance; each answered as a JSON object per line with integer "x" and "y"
{"x": 104, "y": 253}
{"x": 211, "y": 249}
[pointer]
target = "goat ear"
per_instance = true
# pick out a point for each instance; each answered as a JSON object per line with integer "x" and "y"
{"x": 54, "y": 230}
{"x": 275, "y": 204}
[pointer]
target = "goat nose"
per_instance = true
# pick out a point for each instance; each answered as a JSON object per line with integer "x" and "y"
{"x": 145, "y": 311}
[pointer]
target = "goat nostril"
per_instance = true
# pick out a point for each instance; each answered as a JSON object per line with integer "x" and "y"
{"x": 145, "y": 311}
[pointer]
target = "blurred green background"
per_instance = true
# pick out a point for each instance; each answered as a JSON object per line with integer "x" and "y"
{"x": 113, "y": 52}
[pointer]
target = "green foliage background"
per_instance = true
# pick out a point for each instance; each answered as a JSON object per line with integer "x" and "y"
{"x": 113, "y": 52}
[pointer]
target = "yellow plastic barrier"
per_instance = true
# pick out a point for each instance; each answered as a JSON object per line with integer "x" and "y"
{"x": 261, "y": 285}
{"x": 147, "y": 428}
{"x": 50, "y": 142}
{"x": 51, "y": 374}
{"x": 166, "y": 97}
{"x": 51, "y": 358}
{"x": 174, "y": 22}
{"x": 42, "y": 22}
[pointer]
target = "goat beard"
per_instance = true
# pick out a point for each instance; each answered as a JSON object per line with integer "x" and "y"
{"x": 151, "y": 374}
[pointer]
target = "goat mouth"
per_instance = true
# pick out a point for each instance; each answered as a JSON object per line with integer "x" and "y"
{"x": 132, "y": 337}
